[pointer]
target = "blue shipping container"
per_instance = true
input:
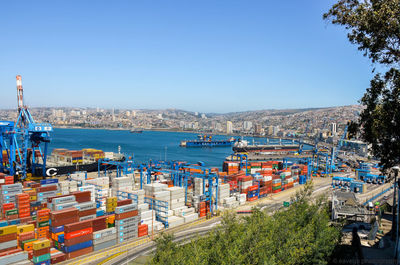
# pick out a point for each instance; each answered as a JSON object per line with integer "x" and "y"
{"x": 78, "y": 246}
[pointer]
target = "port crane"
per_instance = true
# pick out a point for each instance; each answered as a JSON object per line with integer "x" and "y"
{"x": 24, "y": 141}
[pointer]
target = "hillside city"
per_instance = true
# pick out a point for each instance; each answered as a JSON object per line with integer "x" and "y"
{"x": 324, "y": 123}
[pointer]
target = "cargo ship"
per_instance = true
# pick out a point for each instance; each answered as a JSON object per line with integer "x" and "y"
{"x": 242, "y": 146}
{"x": 207, "y": 141}
{"x": 64, "y": 161}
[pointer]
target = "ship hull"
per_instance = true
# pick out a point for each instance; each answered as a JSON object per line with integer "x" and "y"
{"x": 64, "y": 170}
{"x": 207, "y": 144}
{"x": 272, "y": 149}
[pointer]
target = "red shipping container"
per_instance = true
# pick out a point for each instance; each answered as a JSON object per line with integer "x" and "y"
{"x": 40, "y": 252}
{"x": 64, "y": 220}
{"x": 77, "y": 240}
{"x": 80, "y": 252}
{"x": 26, "y": 236}
{"x": 82, "y": 196}
{"x": 8, "y": 237}
{"x": 68, "y": 228}
{"x": 124, "y": 202}
{"x": 87, "y": 212}
{"x": 58, "y": 258}
{"x": 43, "y": 212}
{"x": 46, "y": 188}
{"x": 126, "y": 215}
{"x": 9, "y": 252}
{"x": 78, "y": 233}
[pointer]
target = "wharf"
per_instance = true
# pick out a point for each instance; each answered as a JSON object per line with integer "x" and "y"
{"x": 266, "y": 157}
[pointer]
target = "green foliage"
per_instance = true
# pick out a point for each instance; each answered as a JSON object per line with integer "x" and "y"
{"x": 300, "y": 234}
{"x": 374, "y": 26}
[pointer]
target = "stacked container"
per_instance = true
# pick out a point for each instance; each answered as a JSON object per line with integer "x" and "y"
{"x": 126, "y": 222}
{"x": 41, "y": 252}
{"x": 78, "y": 238}
{"x": 276, "y": 185}
{"x": 104, "y": 238}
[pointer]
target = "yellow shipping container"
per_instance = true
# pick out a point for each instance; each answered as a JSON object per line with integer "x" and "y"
{"x": 33, "y": 198}
{"x": 25, "y": 228}
{"x": 38, "y": 245}
{"x": 11, "y": 229}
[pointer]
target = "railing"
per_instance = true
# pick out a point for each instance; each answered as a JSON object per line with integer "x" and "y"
{"x": 377, "y": 196}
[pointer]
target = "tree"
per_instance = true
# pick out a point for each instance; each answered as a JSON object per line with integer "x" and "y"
{"x": 300, "y": 234}
{"x": 374, "y": 26}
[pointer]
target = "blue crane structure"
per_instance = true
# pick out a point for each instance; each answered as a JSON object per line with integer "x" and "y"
{"x": 25, "y": 141}
{"x": 178, "y": 172}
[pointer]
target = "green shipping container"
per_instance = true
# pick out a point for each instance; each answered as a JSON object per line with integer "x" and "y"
{"x": 43, "y": 224}
{"x": 26, "y": 241}
{"x": 41, "y": 258}
{"x": 11, "y": 212}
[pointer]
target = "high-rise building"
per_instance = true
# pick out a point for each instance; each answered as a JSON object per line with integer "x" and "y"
{"x": 247, "y": 125}
{"x": 257, "y": 129}
{"x": 229, "y": 127}
{"x": 333, "y": 128}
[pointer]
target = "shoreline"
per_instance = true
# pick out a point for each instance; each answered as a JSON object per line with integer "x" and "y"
{"x": 166, "y": 130}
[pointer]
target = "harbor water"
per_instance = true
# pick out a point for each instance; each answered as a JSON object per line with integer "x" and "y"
{"x": 153, "y": 145}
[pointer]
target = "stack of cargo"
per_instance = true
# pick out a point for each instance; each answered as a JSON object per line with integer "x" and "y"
{"x": 150, "y": 189}
{"x": 61, "y": 202}
{"x": 244, "y": 182}
{"x": 223, "y": 192}
{"x": 79, "y": 177}
{"x": 252, "y": 193}
{"x": 78, "y": 238}
{"x": 26, "y": 235}
{"x": 104, "y": 238}
{"x": 230, "y": 202}
{"x": 276, "y": 185}
{"x": 198, "y": 186}
{"x": 126, "y": 222}
{"x": 143, "y": 230}
{"x": 82, "y": 196}
{"x": 140, "y": 196}
{"x": 92, "y": 190}
{"x": 255, "y": 167}
{"x": 111, "y": 204}
{"x": 41, "y": 252}
{"x": 176, "y": 197}
{"x": 230, "y": 167}
{"x": 8, "y": 238}
{"x": 102, "y": 190}
{"x": 57, "y": 256}
{"x": 202, "y": 209}
{"x": 58, "y": 220}
{"x": 87, "y": 210}
{"x": 43, "y": 223}
{"x": 241, "y": 198}
{"x": 174, "y": 221}
{"x": 122, "y": 184}
{"x": 6, "y": 180}
{"x": 13, "y": 257}
{"x": 45, "y": 192}
{"x": 93, "y": 153}
{"x": 67, "y": 186}
{"x": 8, "y": 193}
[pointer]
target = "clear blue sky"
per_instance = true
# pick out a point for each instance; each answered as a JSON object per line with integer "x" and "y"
{"x": 206, "y": 56}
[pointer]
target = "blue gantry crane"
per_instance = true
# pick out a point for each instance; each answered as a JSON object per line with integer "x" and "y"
{"x": 25, "y": 141}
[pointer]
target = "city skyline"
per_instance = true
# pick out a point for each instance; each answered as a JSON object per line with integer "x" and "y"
{"x": 208, "y": 57}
